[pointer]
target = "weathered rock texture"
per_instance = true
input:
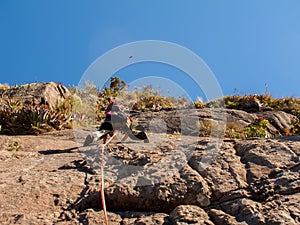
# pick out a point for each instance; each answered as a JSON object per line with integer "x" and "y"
{"x": 52, "y": 181}
{"x": 48, "y": 93}
{"x": 199, "y": 121}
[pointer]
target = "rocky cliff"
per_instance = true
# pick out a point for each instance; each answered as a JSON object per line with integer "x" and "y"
{"x": 175, "y": 179}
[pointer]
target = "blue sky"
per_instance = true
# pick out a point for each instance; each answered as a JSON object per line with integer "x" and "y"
{"x": 247, "y": 44}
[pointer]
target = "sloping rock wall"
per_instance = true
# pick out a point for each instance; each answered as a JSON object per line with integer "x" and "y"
{"x": 50, "y": 180}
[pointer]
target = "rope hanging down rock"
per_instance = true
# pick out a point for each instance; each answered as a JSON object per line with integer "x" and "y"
{"x": 102, "y": 179}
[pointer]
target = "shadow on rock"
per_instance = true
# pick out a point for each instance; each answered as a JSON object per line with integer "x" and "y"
{"x": 51, "y": 152}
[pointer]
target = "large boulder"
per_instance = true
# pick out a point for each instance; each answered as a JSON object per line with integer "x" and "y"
{"x": 282, "y": 121}
{"x": 48, "y": 93}
{"x": 262, "y": 156}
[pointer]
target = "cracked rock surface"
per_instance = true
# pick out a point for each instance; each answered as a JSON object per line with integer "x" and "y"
{"x": 52, "y": 179}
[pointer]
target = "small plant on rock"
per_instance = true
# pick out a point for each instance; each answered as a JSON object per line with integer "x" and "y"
{"x": 14, "y": 146}
{"x": 153, "y": 103}
{"x": 258, "y": 129}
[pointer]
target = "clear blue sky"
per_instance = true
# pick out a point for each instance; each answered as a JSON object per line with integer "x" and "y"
{"x": 247, "y": 44}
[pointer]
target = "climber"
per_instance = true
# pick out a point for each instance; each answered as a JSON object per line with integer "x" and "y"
{"x": 117, "y": 120}
{"x": 107, "y": 125}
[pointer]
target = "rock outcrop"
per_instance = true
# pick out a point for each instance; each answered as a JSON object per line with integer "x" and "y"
{"x": 199, "y": 121}
{"x": 52, "y": 179}
{"x": 47, "y": 93}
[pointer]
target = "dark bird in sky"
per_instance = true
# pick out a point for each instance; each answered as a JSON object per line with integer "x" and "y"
{"x": 130, "y": 57}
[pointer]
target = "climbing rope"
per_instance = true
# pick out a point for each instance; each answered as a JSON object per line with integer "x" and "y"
{"x": 102, "y": 179}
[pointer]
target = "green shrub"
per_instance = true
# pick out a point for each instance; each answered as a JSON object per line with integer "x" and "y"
{"x": 18, "y": 117}
{"x": 258, "y": 129}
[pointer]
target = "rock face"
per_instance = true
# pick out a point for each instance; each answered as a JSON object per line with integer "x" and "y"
{"x": 189, "y": 214}
{"x": 199, "y": 121}
{"x": 48, "y": 93}
{"x": 281, "y": 121}
{"x": 52, "y": 179}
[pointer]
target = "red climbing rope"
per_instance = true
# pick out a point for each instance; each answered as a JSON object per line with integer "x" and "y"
{"x": 102, "y": 179}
